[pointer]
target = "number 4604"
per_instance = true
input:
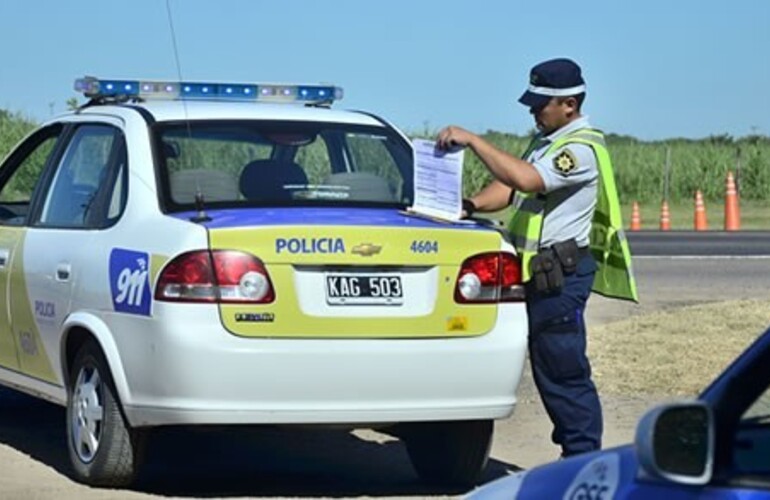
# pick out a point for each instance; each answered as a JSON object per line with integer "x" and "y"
{"x": 424, "y": 246}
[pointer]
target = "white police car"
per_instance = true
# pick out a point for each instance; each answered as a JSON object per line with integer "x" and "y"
{"x": 196, "y": 253}
{"x": 717, "y": 447}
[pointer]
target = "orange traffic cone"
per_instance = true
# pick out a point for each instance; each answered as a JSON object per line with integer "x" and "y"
{"x": 636, "y": 220}
{"x": 732, "y": 208}
{"x": 700, "y": 212}
{"x": 665, "y": 219}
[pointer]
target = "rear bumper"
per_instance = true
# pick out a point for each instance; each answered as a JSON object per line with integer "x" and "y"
{"x": 197, "y": 373}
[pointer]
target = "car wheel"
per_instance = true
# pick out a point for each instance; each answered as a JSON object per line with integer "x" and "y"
{"x": 449, "y": 453}
{"x": 103, "y": 449}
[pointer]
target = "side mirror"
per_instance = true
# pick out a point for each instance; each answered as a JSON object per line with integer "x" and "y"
{"x": 675, "y": 442}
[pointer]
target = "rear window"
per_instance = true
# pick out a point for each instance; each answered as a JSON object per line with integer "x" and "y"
{"x": 264, "y": 163}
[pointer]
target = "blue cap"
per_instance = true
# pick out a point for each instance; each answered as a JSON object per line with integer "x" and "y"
{"x": 554, "y": 78}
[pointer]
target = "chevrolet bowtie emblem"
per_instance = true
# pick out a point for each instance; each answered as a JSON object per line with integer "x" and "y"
{"x": 366, "y": 249}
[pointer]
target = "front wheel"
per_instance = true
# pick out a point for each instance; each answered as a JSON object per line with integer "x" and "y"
{"x": 103, "y": 449}
{"x": 449, "y": 453}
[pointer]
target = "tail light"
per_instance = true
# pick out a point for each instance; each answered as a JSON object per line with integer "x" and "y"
{"x": 223, "y": 276}
{"x": 489, "y": 278}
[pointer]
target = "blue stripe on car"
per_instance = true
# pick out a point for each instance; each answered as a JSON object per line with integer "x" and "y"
{"x": 313, "y": 216}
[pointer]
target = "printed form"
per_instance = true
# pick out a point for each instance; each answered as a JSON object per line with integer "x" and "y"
{"x": 438, "y": 181}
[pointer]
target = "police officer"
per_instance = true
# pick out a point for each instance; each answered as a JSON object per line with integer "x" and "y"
{"x": 566, "y": 226}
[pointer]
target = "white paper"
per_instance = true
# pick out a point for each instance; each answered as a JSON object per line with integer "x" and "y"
{"x": 438, "y": 181}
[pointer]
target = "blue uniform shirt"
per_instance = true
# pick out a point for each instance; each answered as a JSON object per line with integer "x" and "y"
{"x": 570, "y": 174}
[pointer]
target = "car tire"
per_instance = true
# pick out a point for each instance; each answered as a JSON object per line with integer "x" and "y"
{"x": 450, "y": 454}
{"x": 103, "y": 449}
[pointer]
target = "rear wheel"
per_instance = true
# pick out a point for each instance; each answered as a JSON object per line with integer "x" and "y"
{"x": 103, "y": 449}
{"x": 449, "y": 453}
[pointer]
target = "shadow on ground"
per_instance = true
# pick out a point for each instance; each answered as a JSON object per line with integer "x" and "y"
{"x": 216, "y": 462}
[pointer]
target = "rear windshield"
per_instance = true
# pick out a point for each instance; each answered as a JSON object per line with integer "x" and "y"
{"x": 271, "y": 163}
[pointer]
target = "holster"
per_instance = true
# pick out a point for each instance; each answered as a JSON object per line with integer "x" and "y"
{"x": 567, "y": 253}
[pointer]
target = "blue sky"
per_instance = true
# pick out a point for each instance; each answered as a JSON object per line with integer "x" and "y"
{"x": 655, "y": 69}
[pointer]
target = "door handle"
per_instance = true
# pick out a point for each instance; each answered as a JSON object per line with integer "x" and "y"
{"x": 63, "y": 272}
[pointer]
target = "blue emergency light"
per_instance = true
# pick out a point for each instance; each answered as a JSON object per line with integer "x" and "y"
{"x": 145, "y": 89}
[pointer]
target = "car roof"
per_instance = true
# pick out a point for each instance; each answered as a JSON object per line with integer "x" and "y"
{"x": 232, "y": 110}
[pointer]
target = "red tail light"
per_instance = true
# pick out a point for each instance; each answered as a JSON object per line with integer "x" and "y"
{"x": 488, "y": 278}
{"x": 217, "y": 276}
{"x": 242, "y": 278}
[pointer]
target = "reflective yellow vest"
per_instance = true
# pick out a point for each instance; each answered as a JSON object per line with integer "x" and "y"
{"x": 614, "y": 276}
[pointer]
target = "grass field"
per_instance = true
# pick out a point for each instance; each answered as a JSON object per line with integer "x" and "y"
{"x": 673, "y": 353}
{"x": 755, "y": 215}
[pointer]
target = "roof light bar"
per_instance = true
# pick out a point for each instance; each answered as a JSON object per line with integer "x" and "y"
{"x": 145, "y": 89}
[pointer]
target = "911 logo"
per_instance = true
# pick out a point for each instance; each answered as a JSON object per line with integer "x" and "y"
{"x": 597, "y": 480}
{"x": 129, "y": 283}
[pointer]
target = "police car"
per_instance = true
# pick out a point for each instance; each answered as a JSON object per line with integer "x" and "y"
{"x": 716, "y": 447}
{"x": 209, "y": 253}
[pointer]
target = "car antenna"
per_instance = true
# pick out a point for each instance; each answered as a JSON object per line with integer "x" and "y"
{"x": 199, "y": 200}
{"x": 199, "y": 206}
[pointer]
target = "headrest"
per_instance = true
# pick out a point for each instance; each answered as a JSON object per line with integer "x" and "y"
{"x": 265, "y": 180}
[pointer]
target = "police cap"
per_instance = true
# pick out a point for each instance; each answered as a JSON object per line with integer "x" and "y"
{"x": 553, "y": 78}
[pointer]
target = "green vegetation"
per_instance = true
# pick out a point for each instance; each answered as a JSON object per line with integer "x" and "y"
{"x": 13, "y": 127}
{"x": 755, "y": 214}
{"x": 692, "y": 165}
{"x": 640, "y": 168}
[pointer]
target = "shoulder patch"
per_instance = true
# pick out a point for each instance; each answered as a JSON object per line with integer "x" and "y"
{"x": 565, "y": 162}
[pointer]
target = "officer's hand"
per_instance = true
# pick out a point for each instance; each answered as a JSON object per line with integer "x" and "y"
{"x": 453, "y": 137}
{"x": 468, "y": 208}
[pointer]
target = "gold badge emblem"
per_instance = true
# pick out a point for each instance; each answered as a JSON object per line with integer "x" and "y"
{"x": 366, "y": 249}
{"x": 565, "y": 162}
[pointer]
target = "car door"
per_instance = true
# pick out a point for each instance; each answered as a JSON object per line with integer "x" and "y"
{"x": 20, "y": 177}
{"x": 72, "y": 207}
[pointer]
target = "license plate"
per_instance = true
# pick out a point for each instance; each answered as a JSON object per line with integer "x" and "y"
{"x": 361, "y": 289}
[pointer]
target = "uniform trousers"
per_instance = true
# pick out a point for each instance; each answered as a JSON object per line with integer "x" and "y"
{"x": 560, "y": 367}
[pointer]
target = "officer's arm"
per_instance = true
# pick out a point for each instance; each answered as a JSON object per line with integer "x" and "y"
{"x": 508, "y": 169}
{"x": 511, "y": 171}
{"x": 495, "y": 196}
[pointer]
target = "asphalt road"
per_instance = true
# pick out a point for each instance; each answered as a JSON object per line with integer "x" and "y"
{"x": 704, "y": 243}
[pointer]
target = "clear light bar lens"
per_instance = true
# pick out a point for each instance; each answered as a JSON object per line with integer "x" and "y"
{"x": 94, "y": 88}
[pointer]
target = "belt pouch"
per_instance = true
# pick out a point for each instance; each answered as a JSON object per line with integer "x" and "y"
{"x": 546, "y": 272}
{"x": 567, "y": 253}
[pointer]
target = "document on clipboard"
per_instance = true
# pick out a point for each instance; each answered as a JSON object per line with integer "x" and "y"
{"x": 438, "y": 181}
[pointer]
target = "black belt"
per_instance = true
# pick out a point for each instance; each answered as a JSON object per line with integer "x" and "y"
{"x": 581, "y": 251}
{"x": 551, "y": 265}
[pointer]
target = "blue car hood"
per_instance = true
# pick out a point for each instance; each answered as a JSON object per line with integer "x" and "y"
{"x": 592, "y": 475}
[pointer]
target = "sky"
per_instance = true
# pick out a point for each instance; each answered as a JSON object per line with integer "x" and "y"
{"x": 654, "y": 69}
